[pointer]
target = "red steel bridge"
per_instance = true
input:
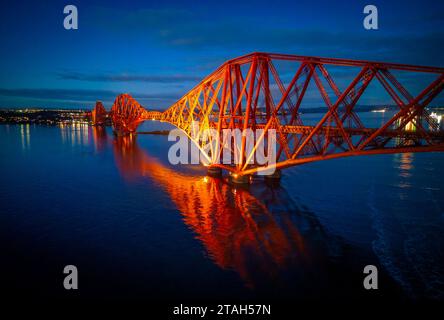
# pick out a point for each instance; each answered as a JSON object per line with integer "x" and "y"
{"x": 251, "y": 92}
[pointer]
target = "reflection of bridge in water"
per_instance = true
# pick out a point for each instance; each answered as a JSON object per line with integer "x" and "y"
{"x": 252, "y": 92}
{"x": 238, "y": 231}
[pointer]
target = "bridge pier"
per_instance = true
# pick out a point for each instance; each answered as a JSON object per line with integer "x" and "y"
{"x": 239, "y": 179}
{"x": 274, "y": 178}
{"x": 214, "y": 172}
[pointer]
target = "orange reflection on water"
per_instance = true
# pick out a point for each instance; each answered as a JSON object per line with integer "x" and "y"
{"x": 99, "y": 137}
{"x": 238, "y": 231}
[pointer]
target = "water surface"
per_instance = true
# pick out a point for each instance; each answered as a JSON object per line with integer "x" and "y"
{"x": 136, "y": 226}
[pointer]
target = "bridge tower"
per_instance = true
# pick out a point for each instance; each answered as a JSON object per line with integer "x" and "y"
{"x": 98, "y": 114}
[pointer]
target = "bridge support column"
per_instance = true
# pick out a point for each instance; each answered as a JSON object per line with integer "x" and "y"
{"x": 240, "y": 179}
{"x": 214, "y": 172}
{"x": 273, "y": 178}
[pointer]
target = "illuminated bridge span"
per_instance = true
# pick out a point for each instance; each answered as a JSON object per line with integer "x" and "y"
{"x": 234, "y": 226}
{"x": 251, "y": 92}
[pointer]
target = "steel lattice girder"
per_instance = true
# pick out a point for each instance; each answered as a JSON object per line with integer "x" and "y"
{"x": 248, "y": 93}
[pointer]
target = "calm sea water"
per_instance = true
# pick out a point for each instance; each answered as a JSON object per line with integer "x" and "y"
{"x": 136, "y": 226}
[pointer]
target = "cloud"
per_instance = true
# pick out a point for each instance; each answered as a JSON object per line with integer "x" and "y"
{"x": 424, "y": 48}
{"x": 83, "y": 96}
{"x": 188, "y": 30}
{"x": 177, "y": 78}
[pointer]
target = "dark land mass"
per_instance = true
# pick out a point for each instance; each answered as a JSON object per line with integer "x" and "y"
{"x": 56, "y": 116}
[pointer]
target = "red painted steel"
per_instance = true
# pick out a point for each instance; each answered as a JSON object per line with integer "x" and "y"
{"x": 98, "y": 114}
{"x": 249, "y": 93}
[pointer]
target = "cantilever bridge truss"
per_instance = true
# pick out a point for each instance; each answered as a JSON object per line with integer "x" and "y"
{"x": 250, "y": 92}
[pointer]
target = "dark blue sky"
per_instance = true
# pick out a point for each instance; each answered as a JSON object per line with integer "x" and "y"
{"x": 158, "y": 51}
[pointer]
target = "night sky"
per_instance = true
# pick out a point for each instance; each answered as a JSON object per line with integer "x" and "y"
{"x": 158, "y": 51}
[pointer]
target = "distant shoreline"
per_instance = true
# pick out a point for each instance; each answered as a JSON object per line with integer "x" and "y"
{"x": 68, "y": 116}
{"x": 357, "y": 108}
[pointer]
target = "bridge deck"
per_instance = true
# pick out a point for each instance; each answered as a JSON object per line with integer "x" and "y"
{"x": 332, "y": 131}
